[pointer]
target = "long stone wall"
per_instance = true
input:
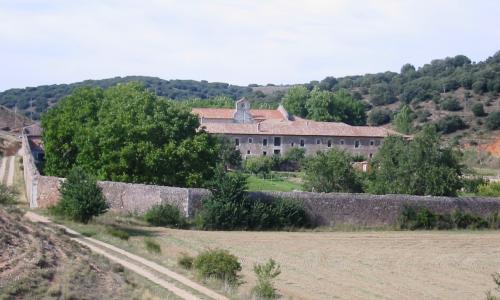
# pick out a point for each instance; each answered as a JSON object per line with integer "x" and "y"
{"x": 325, "y": 209}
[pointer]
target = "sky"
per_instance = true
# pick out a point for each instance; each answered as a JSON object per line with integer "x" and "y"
{"x": 239, "y": 42}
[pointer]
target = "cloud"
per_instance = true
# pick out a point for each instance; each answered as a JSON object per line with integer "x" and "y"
{"x": 239, "y": 42}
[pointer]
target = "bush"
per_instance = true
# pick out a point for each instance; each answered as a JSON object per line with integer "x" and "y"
{"x": 278, "y": 214}
{"x": 471, "y": 185}
{"x": 81, "y": 198}
{"x": 219, "y": 264}
{"x": 165, "y": 215}
{"x": 266, "y": 273}
{"x": 185, "y": 261}
{"x": 493, "y": 121}
{"x": 489, "y": 190}
{"x": 450, "y": 104}
{"x": 7, "y": 195}
{"x": 121, "y": 234}
{"x": 292, "y": 160}
{"x": 413, "y": 218}
{"x": 450, "y": 124}
{"x": 379, "y": 116}
{"x": 478, "y": 110}
{"x": 152, "y": 246}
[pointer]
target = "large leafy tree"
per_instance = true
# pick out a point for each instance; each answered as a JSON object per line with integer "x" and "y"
{"x": 331, "y": 171}
{"x": 422, "y": 166}
{"x": 126, "y": 133}
{"x": 295, "y": 100}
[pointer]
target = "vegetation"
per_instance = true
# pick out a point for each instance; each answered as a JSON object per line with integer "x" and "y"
{"x": 451, "y": 124}
{"x": 478, "y": 110}
{"x": 493, "y": 120}
{"x": 403, "y": 120}
{"x": 451, "y": 104}
{"x": 413, "y": 218}
{"x": 266, "y": 273}
{"x": 81, "y": 198}
{"x": 496, "y": 279}
{"x": 489, "y": 190}
{"x": 185, "y": 261}
{"x": 126, "y": 133}
{"x": 422, "y": 166}
{"x": 379, "y": 116}
{"x": 118, "y": 233}
{"x": 219, "y": 264}
{"x": 259, "y": 165}
{"x": 7, "y": 195}
{"x": 331, "y": 171}
{"x": 271, "y": 183}
{"x": 165, "y": 214}
{"x": 151, "y": 245}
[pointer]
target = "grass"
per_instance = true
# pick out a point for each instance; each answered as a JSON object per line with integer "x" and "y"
{"x": 278, "y": 184}
{"x": 151, "y": 245}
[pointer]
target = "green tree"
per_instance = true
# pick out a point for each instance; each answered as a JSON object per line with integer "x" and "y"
{"x": 450, "y": 124}
{"x": 81, "y": 198}
{"x": 379, "y": 116}
{"x": 126, "y": 133}
{"x": 295, "y": 100}
{"x": 422, "y": 166}
{"x": 331, "y": 171}
{"x": 403, "y": 120}
{"x": 493, "y": 120}
{"x": 335, "y": 107}
{"x": 478, "y": 110}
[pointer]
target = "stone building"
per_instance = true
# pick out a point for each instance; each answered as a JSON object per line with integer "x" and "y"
{"x": 261, "y": 132}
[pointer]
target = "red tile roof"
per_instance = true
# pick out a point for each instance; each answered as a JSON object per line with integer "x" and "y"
{"x": 227, "y": 113}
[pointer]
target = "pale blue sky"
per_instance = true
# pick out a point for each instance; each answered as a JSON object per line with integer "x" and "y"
{"x": 240, "y": 42}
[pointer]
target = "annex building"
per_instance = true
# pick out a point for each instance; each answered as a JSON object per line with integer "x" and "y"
{"x": 261, "y": 132}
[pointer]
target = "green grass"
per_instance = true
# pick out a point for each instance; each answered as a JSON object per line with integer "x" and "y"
{"x": 279, "y": 185}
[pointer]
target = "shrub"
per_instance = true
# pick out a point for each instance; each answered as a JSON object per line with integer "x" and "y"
{"x": 478, "y": 110}
{"x": 417, "y": 218}
{"x": 121, "y": 234}
{"x": 493, "y": 120}
{"x": 290, "y": 213}
{"x": 450, "y": 104}
{"x": 259, "y": 165}
{"x": 219, "y": 264}
{"x": 266, "y": 273}
{"x": 81, "y": 198}
{"x": 185, "y": 261}
{"x": 7, "y": 194}
{"x": 471, "y": 185}
{"x": 151, "y": 245}
{"x": 450, "y": 124}
{"x": 491, "y": 189}
{"x": 165, "y": 215}
{"x": 413, "y": 218}
{"x": 463, "y": 220}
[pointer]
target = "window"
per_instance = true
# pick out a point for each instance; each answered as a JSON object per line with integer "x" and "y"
{"x": 356, "y": 144}
{"x": 329, "y": 143}
{"x": 277, "y": 141}
{"x": 292, "y": 144}
{"x": 248, "y": 151}
{"x": 250, "y": 140}
{"x": 342, "y": 142}
{"x": 318, "y": 141}
{"x": 377, "y": 143}
{"x": 302, "y": 143}
{"x": 237, "y": 142}
{"x": 264, "y": 153}
{"x": 372, "y": 142}
{"x": 371, "y": 155}
{"x": 264, "y": 142}
{"x": 277, "y": 151}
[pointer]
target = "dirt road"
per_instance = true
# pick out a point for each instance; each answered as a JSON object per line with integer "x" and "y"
{"x": 7, "y": 170}
{"x": 148, "y": 269}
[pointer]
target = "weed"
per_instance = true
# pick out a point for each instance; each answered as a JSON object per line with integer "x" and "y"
{"x": 152, "y": 246}
{"x": 219, "y": 264}
{"x": 266, "y": 273}
{"x": 185, "y": 261}
{"x": 119, "y": 233}
{"x": 165, "y": 215}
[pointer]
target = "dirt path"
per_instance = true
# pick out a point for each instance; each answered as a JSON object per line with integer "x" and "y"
{"x": 12, "y": 168}
{"x": 138, "y": 264}
{"x": 7, "y": 170}
{"x": 3, "y": 167}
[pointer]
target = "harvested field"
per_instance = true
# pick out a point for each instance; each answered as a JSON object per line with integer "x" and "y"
{"x": 37, "y": 263}
{"x": 342, "y": 265}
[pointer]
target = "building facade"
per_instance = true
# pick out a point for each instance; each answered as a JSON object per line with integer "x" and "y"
{"x": 258, "y": 132}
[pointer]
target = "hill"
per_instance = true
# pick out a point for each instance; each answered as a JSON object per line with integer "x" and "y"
{"x": 10, "y": 120}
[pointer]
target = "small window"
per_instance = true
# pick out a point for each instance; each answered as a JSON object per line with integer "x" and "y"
{"x": 277, "y": 151}
{"x": 292, "y": 144}
{"x": 277, "y": 141}
{"x": 377, "y": 143}
{"x": 237, "y": 142}
{"x": 356, "y": 144}
{"x": 248, "y": 151}
{"x": 329, "y": 143}
{"x": 342, "y": 142}
{"x": 250, "y": 140}
{"x": 371, "y": 155}
{"x": 302, "y": 143}
{"x": 318, "y": 141}
{"x": 264, "y": 142}
{"x": 264, "y": 153}
{"x": 372, "y": 142}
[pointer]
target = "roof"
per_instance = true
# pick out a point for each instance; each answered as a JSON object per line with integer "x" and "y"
{"x": 299, "y": 127}
{"x": 228, "y": 113}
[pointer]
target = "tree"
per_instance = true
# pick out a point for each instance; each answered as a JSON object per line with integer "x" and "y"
{"x": 451, "y": 104}
{"x": 81, "y": 198}
{"x": 379, "y": 116}
{"x": 478, "y": 110}
{"x": 422, "y": 166}
{"x": 331, "y": 171}
{"x": 295, "y": 100}
{"x": 403, "y": 120}
{"x": 493, "y": 120}
{"x": 335, "y": 107}
{"x": 450, "y": 124}
{"x": 128, "y": 134}
{"x": 382, "y": 94}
